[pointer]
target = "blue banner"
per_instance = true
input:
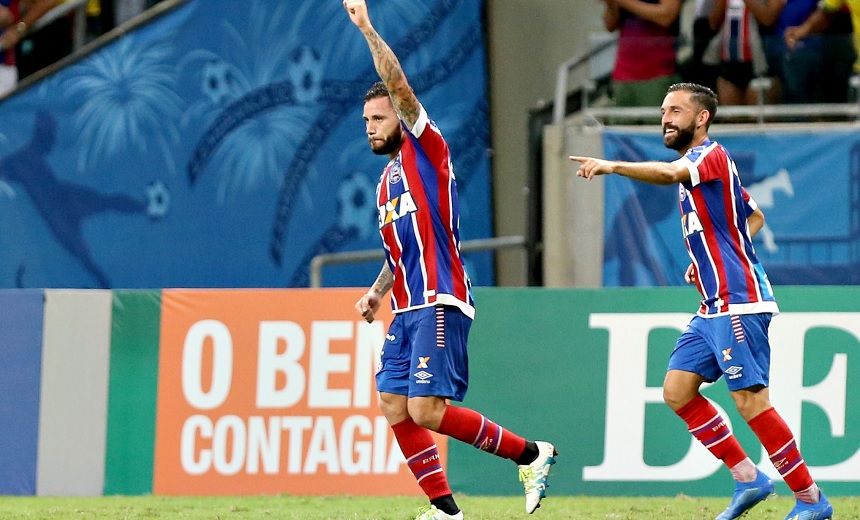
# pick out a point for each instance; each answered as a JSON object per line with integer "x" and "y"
{"x": 222, "y": 145}
{"x": 806, "y": 182}
{"x": 20, "y": 380}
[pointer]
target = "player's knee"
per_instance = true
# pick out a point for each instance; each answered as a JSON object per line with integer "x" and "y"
{"x": 426, "y": 420}
{"x": 427, "y": 412}
{"x": 750, "y": 402}
{"x": 393, "y": 407}
{"x": 675, "y": 397}
{"x": 426, "y": 417}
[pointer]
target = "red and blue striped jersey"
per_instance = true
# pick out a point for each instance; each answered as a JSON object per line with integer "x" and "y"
{"x": 419, "y": 220}
{"x": 714, "y": 210}
{"x": 740, "y": 33}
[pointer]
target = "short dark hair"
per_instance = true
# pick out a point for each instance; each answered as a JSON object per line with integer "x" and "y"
{"x": 702, "y": 96}
{"x": 378, "y": 90}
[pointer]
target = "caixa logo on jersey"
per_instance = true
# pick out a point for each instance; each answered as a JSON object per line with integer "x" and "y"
{"x": 691, "y": 224}
{"x": 396, "y": 208}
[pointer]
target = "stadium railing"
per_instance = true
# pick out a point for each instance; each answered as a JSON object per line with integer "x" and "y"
{"x": 365, "y": 255}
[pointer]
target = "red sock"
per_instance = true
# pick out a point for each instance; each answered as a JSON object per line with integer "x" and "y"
{"x": 782, "y": 449}
{"x": 471, "y": 427}
{"x": 707, "y": 425}
{"x": 418, "y": 447}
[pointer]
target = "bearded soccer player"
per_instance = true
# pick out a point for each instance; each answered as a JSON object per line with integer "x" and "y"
{"x": 424, "y": 360}
{"x": 729, "y": 333}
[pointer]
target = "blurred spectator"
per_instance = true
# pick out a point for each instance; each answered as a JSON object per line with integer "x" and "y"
{"x": 100, "y": 18}
{"x": 820, "y": 19}
{"x": 8, "y": 71}
{"x": 645, "y": 64}
{"x": 128, "y": 9}
{"x": 48, "y": 45}
{"x": 738, "y": 47}
{"x": 25, "y": 51}
{"x": 16, "y": 19}
{"x": 695, "y": 70}
{"x": 817, "y": 69}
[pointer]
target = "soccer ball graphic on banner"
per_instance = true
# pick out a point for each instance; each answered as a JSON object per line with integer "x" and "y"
{"x": 306, "y": 71}
{"x": 356, "y": 204}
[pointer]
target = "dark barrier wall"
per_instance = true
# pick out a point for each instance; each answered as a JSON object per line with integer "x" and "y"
{"x": 222, "y": 145}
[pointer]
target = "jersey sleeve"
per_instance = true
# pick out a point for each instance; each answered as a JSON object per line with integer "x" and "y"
{"x": 431, "y": 141}
{"x": 688, "y": 164}
{"x": 749, "y": 203}
{"x": 420, "y": 124}
{"x": 705, "y": 164}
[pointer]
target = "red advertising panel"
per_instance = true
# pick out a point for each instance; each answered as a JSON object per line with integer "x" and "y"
{"x": 272, "y": 391}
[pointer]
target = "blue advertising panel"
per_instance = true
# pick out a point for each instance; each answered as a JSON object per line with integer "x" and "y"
{"x": 806, "y": 182}
{"x": 222, "y": 145}
{"x": 20, "y": 381}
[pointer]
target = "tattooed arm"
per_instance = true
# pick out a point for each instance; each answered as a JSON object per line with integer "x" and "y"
{"x": 368, "y": 304}
{"x": 387, "y": 65}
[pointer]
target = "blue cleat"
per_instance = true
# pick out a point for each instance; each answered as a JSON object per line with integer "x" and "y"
{"x": 804, "y": 511}
{"x": 747, "y": 495}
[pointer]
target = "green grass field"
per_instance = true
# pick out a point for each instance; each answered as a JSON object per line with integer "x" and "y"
{"x": 391, "y": 508}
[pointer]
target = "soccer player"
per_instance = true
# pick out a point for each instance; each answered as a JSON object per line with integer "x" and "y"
{"x": 424, "y": 360}
{"x": 729, "y": 333}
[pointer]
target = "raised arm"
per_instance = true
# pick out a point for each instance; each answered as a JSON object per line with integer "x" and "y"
{"x": 387, "y": 65}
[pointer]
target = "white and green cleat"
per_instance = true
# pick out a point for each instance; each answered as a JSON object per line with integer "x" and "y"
{"x": 534, "y": 476}
{"x": 432, "y": 513}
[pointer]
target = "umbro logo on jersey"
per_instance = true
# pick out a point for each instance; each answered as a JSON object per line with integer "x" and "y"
{"x": 422, "y": 361}
{"x": 423, "y": 376}
{"x": 734, "y": 372}
{"x": 396, "y": 208}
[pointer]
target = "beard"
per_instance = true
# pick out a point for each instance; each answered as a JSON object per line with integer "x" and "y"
{"x": 390, "y": 145}
{"x": 682, "y": 137}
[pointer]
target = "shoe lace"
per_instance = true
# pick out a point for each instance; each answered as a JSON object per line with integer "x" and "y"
{"x": 426, "y": 513}
{"x": 527, "y": 477}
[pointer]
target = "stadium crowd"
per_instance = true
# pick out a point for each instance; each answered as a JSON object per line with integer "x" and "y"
{"x": 28, "y": 48}
{"x": 800, "y": 51}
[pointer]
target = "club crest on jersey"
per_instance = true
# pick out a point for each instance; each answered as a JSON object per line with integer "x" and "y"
{"x": 396, "y": 208}
{"x": 395, "y": 173}
{"x": 691, "y": 224}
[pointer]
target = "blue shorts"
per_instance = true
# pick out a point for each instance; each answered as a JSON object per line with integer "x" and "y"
{"x": 425, "y": 354}
{"x": 735, "y": 345}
